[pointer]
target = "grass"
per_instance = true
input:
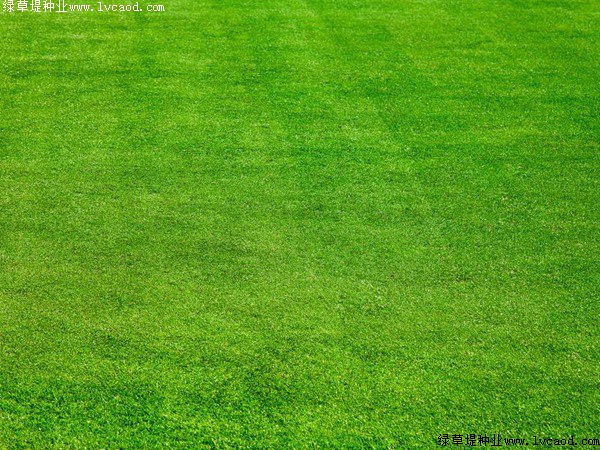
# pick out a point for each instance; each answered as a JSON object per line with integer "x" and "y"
{"x": 300, "y": 224}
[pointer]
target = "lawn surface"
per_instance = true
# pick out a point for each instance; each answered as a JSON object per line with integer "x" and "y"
{"x": 300, "y": 224}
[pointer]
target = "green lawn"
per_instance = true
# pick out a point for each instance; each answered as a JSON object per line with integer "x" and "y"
{"x": 300, "y": 224}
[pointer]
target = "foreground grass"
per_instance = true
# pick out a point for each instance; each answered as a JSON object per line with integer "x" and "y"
{"x": 299, "y": 224}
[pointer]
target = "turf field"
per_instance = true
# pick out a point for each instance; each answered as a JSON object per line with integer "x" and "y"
{"x": 300, "y": 224}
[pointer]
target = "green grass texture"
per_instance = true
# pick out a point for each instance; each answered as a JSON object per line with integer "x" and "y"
{"x": 300, "y": 224}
